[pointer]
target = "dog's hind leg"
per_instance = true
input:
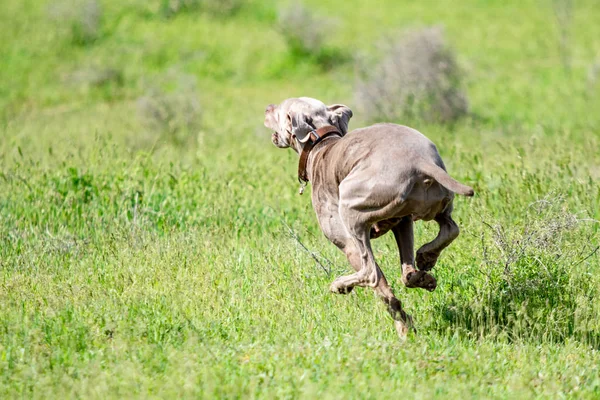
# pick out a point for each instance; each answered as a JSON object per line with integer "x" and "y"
{"x": 403, "y": 232}
{"x": 428, "y": 254}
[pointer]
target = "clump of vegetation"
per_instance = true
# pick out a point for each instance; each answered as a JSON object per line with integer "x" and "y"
{"x": 592, "y": 77}
{"x": 304, "y": 33}
{"x": 94, "y": 77}
{"x": 107, "y": 82}
{"x": 535, "y": 286}
{"x": 418, "y": 78}
{"x": 169, "y": 8}
{"x": 173, "y": 115}
{"x": 221, "y": 7}
{"x": 83, "y": 19}
{"x": 563, "y": 11}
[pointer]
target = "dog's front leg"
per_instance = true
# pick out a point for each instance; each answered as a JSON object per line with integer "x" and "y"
{"x": 334, "y": 229}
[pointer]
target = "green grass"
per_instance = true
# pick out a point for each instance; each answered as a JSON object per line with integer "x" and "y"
{"x": 134, "y": 267}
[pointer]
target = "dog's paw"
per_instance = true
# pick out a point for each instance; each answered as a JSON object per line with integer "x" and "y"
{"x": 338, "y": 287}
{"x": 419, "y": 279}
{"x": 426, "y": 261}
{"x": 404, "y": 327}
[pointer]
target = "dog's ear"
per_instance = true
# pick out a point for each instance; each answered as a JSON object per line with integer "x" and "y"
{"x": 300, "y": 126}
{"x": 271, "y": 118}
{"x": 339, "y": 115}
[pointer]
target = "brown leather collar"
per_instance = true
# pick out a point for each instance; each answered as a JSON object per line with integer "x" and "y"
{"x": 315, "y": 137}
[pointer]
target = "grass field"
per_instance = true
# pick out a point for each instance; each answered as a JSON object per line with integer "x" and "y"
{"x": 152, "y": 262}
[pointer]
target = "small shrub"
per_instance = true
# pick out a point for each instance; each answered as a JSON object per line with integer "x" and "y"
{"x": 592, "y": 76}
{"x": 302, "y": 30}
{"x": 98, "y": 80}
{"x": 173, "y": 115}
{"x": 417, "y": 78}
{"x": 221, "y": 7}
{"x": 169, "y": 8}
{"x": 536, "y": 285}
{"x": 94, "y": 77}
{"x": 304, "y": 34}
{"x": 563, "y": 11}
{"x": 83, "y": 19}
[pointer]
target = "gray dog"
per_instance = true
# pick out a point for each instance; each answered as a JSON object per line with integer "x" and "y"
{"x": 366, "y": 183}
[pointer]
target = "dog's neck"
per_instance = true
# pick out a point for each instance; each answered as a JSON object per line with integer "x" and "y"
{"x": 315, "y": 143}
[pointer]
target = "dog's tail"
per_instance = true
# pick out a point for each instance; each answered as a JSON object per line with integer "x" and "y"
{"x": 437, "y": 173}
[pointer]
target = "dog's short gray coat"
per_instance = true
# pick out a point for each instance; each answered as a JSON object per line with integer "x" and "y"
{"x": 366, "y": 183}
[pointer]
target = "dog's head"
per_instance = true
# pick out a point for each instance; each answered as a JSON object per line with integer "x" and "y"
{"x": 297, "y": 117}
